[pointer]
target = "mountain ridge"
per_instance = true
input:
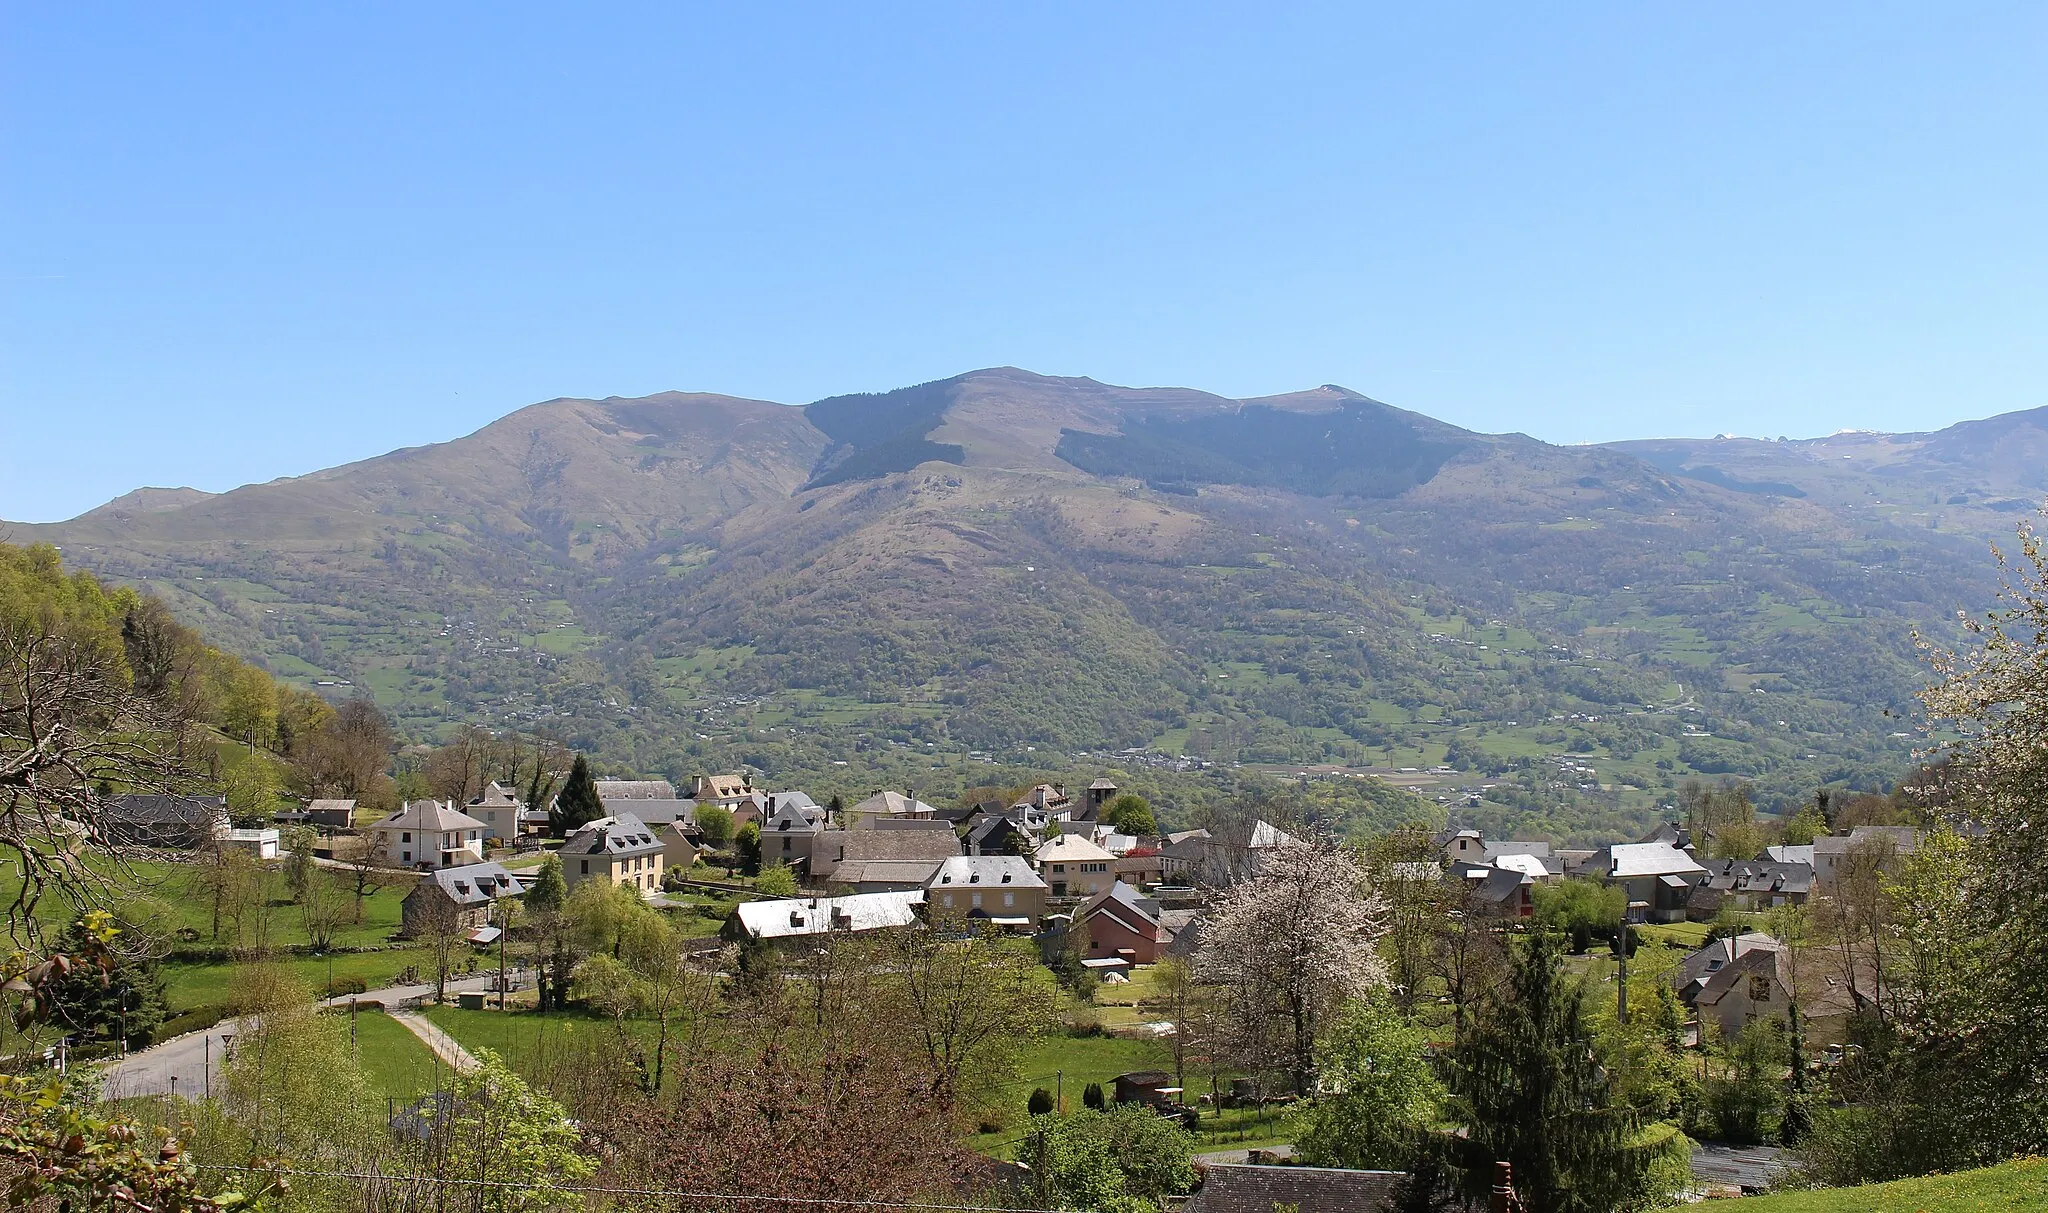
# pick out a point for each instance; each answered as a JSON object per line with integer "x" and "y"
{"x": 1011, "y": 564}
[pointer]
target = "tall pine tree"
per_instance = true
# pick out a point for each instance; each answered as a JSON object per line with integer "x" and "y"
{"x": 1532, "y": 1093}
{"x": 577, "y": 804}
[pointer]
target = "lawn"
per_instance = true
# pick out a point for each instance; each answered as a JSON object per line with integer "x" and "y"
{"x": 193, "y": 985}
{"x": 525, "y": 1039}
{"x": 2012, "y": 1186}
{"x": 394, "y": 1061}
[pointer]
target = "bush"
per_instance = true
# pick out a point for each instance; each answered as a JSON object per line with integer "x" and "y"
{"x": 1040, "y": 1102}
{"x": 341, "y": 986}
{"x": 198, "y": 1019}
{"x": 1093, "y": 1097}
{"x": 672, "y": 880}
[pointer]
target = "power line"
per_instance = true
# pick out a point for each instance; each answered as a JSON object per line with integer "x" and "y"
{"x": 600, "y": 1190}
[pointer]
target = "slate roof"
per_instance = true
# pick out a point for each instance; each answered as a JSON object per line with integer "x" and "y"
{"x": 892, "y": 804}
{"x": 1783, "y": 854}
{"x": 1228, "y": 1188}
{"x": 835, "y": 846}
{"x": 137, "y": 808}
{"x": 1695, "y": 969}
{"x": 474, "y": 884}
{"x": 1526, "y": 864}
{"x": 634, "y": 789}
{"x": 664, "y": 812}
{"x": 1757, "y": 877}
{"x": 495, "y": 796}
{"x": 1904, "y": 839}
{"x": 620, "y": 834}
{"x": 911, "y": 873}
{"x": 1626, "y": 860}
{"x": 341, "y": 807}
{"x": 792, "y": 916}
{"x": 1126, "y": 905}
{"x": 430, "y": 816}
{"x": 1494, "y": 850}
{"x": 986, "y": 872}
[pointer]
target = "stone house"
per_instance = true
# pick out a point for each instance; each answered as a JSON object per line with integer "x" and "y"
{"x": 1074, "y": 866}
{"x": 466, "y": 894}
{"x": 621, "y": 849}
{"x": 1000, "y": 888}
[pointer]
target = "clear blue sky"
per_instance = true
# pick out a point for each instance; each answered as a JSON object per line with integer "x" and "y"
{"x": 238, "y": 245}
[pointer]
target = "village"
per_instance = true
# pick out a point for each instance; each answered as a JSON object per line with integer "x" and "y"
{"x": 1101, "y": 897}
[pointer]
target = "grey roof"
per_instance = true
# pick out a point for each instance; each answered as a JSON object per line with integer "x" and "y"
{"x": 665, "y": 812}
{"x": 1495, "y": 850}
{"x": 893, "y": 804}
{"x": 791, "y": 817}
{"x": 791, "y": 916}
{"x": 1123, "y": 903}
{"x": 1785, "y": 854}
{"x": 634, "y": 789}
{"x": 835, "y": 846}
{"x": 474, "y": 883}
{"x": 986, "y": 871}
{"x": 909, "y": 873}
{"x": 1631, "y": 859}
{"x": 496, "y": 796}
{"x": 620, "y": 834}
{"x": 136, "y": 808}
{"x": 1229, "y": 1188}
{"x": 1904, "y": 839}
{"x": 1104, "y": 784}
{"x": 430, "y": 816}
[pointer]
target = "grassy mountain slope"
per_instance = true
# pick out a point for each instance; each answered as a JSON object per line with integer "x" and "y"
{"x": 1035, "y": 568}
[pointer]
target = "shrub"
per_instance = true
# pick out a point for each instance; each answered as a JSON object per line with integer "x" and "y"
{"x": 1040, "y": 1102}
{"x": 341, "y": 986}
{"x": 1093, "y": 1097}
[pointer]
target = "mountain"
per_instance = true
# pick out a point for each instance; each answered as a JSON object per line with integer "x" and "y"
{"x": 1054, "y": 570}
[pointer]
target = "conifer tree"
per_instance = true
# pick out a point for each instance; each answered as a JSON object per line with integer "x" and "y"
{"x": 1530, "y": 1089}
{"x": 577, "y": 804}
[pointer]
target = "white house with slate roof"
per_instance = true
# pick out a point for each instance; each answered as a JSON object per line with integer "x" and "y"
{"x": 430, "y": 834}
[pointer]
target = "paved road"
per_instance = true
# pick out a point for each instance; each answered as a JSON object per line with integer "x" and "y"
{"x": 180, "y": 1065}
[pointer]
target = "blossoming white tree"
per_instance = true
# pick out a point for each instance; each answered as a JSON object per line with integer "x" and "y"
{"x": 1287, "y": 950}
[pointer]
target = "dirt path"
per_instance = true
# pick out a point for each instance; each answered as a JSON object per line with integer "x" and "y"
{"x": 446, "y": 1047}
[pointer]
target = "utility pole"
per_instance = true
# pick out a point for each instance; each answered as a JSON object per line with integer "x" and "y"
{"x": 1621, "y": 974}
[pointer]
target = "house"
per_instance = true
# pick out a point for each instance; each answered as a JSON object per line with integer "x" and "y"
{"x": 1880, "y": 845}
{"x": 894, "y": 805}
{"x": 1048, "y": 798}
{"x": 1658, "y": 878}
{"x": 1183, "y": 853}
{"x": 620, "y": 849}
{"x": 177, "y": 823}
{"x": 466, "y": 894}
{"x": 429, "y": 834}
{"x": 1499, "y": 892}
{"x": 997, "y": 834}
{"x": 1000, "y": 888}
{"x": 1140, "y": 866}
{"x": 878, "y": 860}
{"x": 1732, "y": 982}
{"x": 1464, "y": 845}
{"x": 1153, "y": 1088}
{"x": 726, "y": 790}
{"x": 633, "y": 789}
{"x": 1749, "y": 884}
{"x": 791, "y": 830}
{"x": 1074, "y": 866}
{"x": 1225, "y": 860}
{"x": 1123, "y": 923}
{"x": 498, "y": 808}
{"x": 1236, "y": 1188}
{"x": 1535, "y": 867}
{"x": 261, "y": 843}
{"x": 331, "y": 814}
{"x": 796, "y": 917}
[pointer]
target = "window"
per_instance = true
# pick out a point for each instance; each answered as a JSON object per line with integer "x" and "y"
{"x": 976, "y": 899}
{"x": 407, "y": 857}
{"x": 1759, "y": 988}
{"x": 406, "y": 836}
{"x": 1009, "y": 899}
{"x": 586, "y": 867}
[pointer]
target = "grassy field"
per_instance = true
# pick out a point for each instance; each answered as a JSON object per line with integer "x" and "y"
{"x": 526, "y": 1038}
{"x": 2014, "y": 1186}
{"x": 393, "y": 1060}
{"x": 192, "y": 985}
